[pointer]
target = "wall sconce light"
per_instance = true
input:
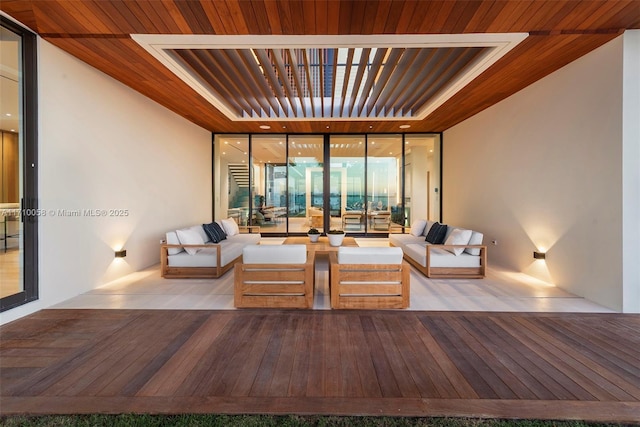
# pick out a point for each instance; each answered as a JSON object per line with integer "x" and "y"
{"x": 539, "y": 255}
{"x": 121, "y": 254}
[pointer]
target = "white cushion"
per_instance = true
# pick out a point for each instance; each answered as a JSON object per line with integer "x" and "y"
{"x": 230, "y": 226}
{"x": 190, "y": 237}
{"x": 458, "y": 236}
{"x": 440, "y": 257}
{"x": 172, "y": 239}
{"x": 369, "y": 255}
{"x": 274, "y": 254}
{"x": 476, "y": 239}
{"x": 200, "y": 230}
{"x": 417, "y": 228}
{"x": 427, "y": 228}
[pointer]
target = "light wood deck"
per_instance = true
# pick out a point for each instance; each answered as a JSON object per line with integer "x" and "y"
{"x": 551, "y": 366}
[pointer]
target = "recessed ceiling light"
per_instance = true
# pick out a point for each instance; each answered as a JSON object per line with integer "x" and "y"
{"x": 405, "y": 126}
{"x": 284, "y": 127}
{"x": 237, "y": 142}
{"x": 373, "y": 142}
{"x": 13, "y": 130}
{"x": 243, "y": 161}
{"x": 406, "y": 142}
{"x": 8, "y": 114}
{"x": 280, "y": 143}
{"x": 299, "y": 153}
{"x": 224, "y": 152}
{"x": 359, "y": 142}
{"x": 390, "y": 152}
{"x": 226, "y": 142}
{"x": 370, "y": 126}
{"x": 327, "y": 127}
{"x": 245, "y": 152}
{"x": 431, "y": 151}
{"x": 265, "y": 127}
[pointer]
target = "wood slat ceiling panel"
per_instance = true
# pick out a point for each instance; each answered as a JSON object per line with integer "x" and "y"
{"x": 82, "y": 29}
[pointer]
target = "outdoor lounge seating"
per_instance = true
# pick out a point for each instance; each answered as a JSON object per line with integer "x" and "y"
{"x": 369, "y": 278}
{"x": 462, "y": 254}
{"x": 274, "y": 276}
{"x": 190, "y": 252}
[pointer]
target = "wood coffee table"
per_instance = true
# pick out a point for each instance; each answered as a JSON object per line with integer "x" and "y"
{"x": 321, "y": 246}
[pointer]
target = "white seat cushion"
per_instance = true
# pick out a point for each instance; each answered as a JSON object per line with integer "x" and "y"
{"x": 274, "y": 254}
{"x": 190, "y": 237}
{"x": 365, "y": 255}
{"x": 440, "y": 257}
{"x": 230, "y": 226}
{"x": 172, "y": 239}
{"x": 458, "y": 237}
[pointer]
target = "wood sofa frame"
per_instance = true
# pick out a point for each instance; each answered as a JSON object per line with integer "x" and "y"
{"x": 275, "y": 285}
{"x": 353, "y": 285}
{"x": 169, "y": 272}
{"x": 452, "y": 272}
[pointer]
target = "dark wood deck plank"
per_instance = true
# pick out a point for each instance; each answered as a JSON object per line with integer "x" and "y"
{"x": 173, "y": 373}
{"x": 505, "y": 365}
{"x": 517, "y": 359}
{"x": 589, "y": 374}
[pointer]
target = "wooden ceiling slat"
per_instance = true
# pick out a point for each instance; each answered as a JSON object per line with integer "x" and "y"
{"x": 297, "y": 11}
{"x": 391, "y": 65}
{"x": 273, "y": 15}
{"x": 361, "y": 68}
{"x": 479, "y": 15}
{"x": 309, "y": 17}
{"x": 237, "y": 15}
{"x": 384, "y": 93}
{"x": 260, "y": 17}
{"x": 345, "y": 81}
{"x": 370, "y": 13}
{"x": 418, "y": 18}
{"x": 251, "y": 86}
{"x": 408, "y": 10}
{"x": 276, "y": 57}
{"x": 333, "y": 12}
{"x": 23, "y": 12}
{"x": 307, "y": 68}
{"x": 176, "y": 15}
{"x": 445, "y": 78}
{"x": 345, "y": 18}
{"x": 264, "y": 90}
{"x": 321, "y": 15}
{"x": 291, "y": 56}
{"x": 494, "y": 10}
{"x": 465, "y": 11}
{"x": 146, "y": 18}
{"x": 535, "y": 8}
{"x": 55, "y": 20}
{"x": 426, "y": 76}
{"x": 91, "y": 17}
{"x": 382, "y": 13}
{"x": 333, "y": 80}
{"x": 372, "y": 77}
{"x": 160, "y": 16}
{"x": 267, "y": 68}
{"x": 444, "y": 20}
{"x": 200, "y": 62}
{"x": 508, "y": 15}
{"x": 284, "y": 18}
{"x": 195, "y": 17}
{"x": 321, "y": 65}
{"x": 126, "y": 21}
{"x": 212, "y": 14}
{"x": 602, "y": 13}
{"x": 417, "y": 71}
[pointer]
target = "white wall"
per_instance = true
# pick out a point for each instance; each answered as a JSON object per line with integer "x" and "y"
{"x": 543, "y": 170}
{"x": 631, "y": 170}
{"x": 104, "y": 146}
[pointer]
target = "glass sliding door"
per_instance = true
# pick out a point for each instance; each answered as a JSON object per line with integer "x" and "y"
{"x": 232, "y": 192}
{"x": 269, "y": 182}
{"x": 18, "y": 162}
{"x": 422, "y": 177}
{"x": 385, "y": 207}
{"x": 346, "y": 193}
{"x": 306, "y": 183}
{"x": 369, "y": 184}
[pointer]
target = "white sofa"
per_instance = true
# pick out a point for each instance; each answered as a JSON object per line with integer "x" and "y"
{"x": 456, "y": 258}
{"x": 190, "y": 253}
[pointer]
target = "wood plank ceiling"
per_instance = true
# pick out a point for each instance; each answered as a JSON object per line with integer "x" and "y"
{"x": 99, "y": 33}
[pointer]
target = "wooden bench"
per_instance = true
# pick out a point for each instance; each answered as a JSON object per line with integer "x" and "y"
{"x": 369, "y": 278}
{"x": 274, "y": 277}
